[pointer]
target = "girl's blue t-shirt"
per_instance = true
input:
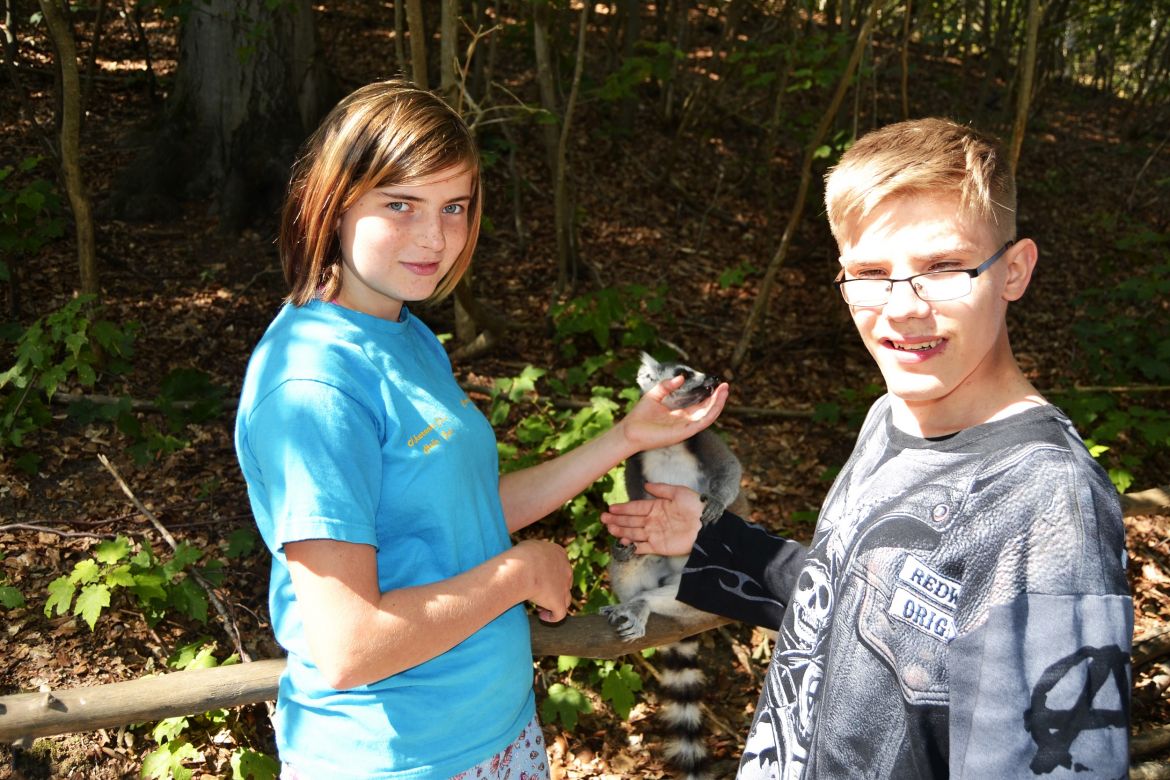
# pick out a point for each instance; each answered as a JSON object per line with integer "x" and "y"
{"x": 353, "y": 428}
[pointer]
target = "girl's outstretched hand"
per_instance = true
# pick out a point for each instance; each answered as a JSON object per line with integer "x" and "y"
{"x": 665, "y": 525}
{"x": 652, "y": 424}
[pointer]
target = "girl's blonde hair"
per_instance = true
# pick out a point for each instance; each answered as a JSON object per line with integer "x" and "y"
{"x": 923, "y": 157}
{"x": 385, "y": 133}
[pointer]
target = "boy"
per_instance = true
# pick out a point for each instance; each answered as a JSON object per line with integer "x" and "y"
{"x": 962, "y": 608}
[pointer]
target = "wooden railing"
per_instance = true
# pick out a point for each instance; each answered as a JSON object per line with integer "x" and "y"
{"x": 25, "y": 716}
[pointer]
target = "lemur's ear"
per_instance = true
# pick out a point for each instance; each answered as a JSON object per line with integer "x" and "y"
{"x": 649, "y": 373}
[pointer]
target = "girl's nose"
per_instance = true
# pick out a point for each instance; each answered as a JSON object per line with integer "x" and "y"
{"x": 430, "y": 233}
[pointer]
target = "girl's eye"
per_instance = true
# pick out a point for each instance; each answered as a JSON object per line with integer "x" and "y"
{"x": 398, "y": 205}
{"x": 453, "y": 208}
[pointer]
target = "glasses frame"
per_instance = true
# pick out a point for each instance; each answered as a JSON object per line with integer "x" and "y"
{"x": 841, "y": 281}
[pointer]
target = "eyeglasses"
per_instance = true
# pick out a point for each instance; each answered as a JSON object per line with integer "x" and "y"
{"x": 931, "y": 286}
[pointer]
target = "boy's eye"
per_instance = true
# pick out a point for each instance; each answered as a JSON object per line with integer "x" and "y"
{"x": 453, "y": 208}
{"x": 398, "y": 205}
{"x": 871, "y": 273}
{"x": 944, "y": 265}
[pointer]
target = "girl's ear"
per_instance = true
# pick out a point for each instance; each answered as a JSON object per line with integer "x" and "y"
{"x": 1020, "y": 261}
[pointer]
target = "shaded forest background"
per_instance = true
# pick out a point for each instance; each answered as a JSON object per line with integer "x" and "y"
{"x": 653, "y": 175}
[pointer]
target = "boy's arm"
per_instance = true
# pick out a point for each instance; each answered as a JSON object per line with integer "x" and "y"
{"x": 741, "y": 571}
{"x": 1042, "y": 689}
{"x": 1041, "y": 685}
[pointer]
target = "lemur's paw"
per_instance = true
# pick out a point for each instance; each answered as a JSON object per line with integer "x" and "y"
{"x": 712, "y": 511}
{"x": 627, "y": 623}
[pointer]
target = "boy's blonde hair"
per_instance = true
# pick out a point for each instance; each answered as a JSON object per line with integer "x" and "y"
{"x": 385, "y": 133}
{"x": 934, "y": 157}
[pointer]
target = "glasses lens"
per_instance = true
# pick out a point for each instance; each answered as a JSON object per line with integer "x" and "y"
{"x": 943, "y": 285}
{"x": 866, "y": 292}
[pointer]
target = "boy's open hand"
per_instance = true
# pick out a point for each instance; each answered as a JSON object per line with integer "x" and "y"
{"x": 666, "y": 525}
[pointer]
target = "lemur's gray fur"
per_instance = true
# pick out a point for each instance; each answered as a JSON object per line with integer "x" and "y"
{"x": 649, "y": 583}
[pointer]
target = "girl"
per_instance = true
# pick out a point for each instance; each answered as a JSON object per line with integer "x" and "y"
{"x": 395, "y": 588}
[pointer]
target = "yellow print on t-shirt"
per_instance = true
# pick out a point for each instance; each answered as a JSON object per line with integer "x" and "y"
{"x": 429, "y": 431}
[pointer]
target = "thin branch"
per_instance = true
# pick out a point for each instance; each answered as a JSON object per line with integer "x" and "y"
{"x": 47, "y": 530}
{"x": 1150, "y": 741}
{"x": 1150, "y": 647}
{"x": 229, "y": 623}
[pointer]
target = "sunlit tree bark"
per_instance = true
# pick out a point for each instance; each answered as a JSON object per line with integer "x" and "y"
{"x": 69, "y": 149}
{"x": 1024, "y": 95}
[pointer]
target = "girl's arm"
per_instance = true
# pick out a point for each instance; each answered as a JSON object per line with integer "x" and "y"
{"x": 358, "y": 635}
{"x": 532, "y": 493}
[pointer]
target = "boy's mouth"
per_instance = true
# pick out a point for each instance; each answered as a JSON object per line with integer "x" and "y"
{"x": 917, "y": 346}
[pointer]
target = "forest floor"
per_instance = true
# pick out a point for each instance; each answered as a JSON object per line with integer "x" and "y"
{"x": 204, "y": 297}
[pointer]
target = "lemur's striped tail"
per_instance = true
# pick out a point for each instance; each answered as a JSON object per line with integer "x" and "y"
{"x": 682, "y": 686}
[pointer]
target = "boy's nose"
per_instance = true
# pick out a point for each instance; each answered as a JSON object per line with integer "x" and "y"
{"x": 904, "y": 301}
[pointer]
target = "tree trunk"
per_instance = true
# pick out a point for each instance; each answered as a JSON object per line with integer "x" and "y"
{"x": 418, "y": 42}
{"x": 400, "y": 36}
{"x": 565, "y": 223}
{"x": 1026, "y": 70}
{"x": 818, "y": 136}
{"x": 676, "y": 37}
{"x": 70, "y": 146}
{"x": 906, "y": 61}
{"x": 449, "y": 86}
{"x": 695, "y": 101}
{"x": 466, "y": 328}
{"x": 630, "y": 37}
{"x": 545, "y": 80}
{"x": 250, "y": 86}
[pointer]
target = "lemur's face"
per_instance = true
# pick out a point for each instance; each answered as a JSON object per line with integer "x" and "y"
{"x": 696, "y": 385}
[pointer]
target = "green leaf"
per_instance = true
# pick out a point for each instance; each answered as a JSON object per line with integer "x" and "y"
{"x": 618, "y": 689}
{"x": 61, "y": 592}
{"x": 10, "y": 597}
{"x": 112, "y": 552}
{"x": 85, "y": 571}
{"x": 1122, "y": 479}
{"x": 90, "y": 603}
{"x": 204, "y": 659}
{"x": 189, "y": 598}
{"x": 168, "y": 729}
{"x": 564, "y": 703}
{"x": 247, "y": 764}
{"x": 148, "y": 586}
{"x": 185, "y": 654}
{"x": 499, "y": 413}
{"x": 168, "y": 761}
{"x": 120, "y": 577}
{"x": 213, "y": 572}
{"x": 185, "y": 555}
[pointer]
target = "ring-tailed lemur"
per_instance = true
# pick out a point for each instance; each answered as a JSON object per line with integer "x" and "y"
{"x": 649, "y": 583}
